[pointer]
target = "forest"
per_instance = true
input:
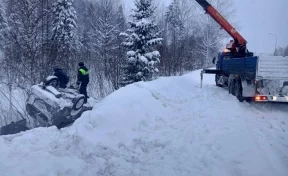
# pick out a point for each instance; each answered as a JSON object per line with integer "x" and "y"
{"x": 38, "y": 35}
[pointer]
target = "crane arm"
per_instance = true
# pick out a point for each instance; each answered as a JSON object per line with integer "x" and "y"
{"x": 222, "y": 21}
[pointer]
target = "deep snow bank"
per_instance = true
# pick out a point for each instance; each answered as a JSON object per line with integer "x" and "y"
{"x": 18, "y": 103}
{"x": 166, "y": 127}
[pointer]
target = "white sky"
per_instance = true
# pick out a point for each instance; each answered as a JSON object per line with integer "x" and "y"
{"x": 257, "y": 18}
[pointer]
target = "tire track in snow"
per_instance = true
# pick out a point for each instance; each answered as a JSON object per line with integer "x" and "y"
{"x": 268, "y": 133}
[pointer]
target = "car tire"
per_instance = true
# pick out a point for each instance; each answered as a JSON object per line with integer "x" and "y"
{"x": 78, "y": 103}
{"x": 54, "y": 82}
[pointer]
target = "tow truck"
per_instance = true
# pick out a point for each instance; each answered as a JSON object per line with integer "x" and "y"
{"x": 248, "y": 77}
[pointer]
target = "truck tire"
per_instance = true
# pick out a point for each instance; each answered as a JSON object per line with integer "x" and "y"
{"x": 238, "y": 91}
{"x": 231, "y": 87}
{"x": 248, "y": 99}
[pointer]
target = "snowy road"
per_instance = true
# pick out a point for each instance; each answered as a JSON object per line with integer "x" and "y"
{"x": 168, "y": 127}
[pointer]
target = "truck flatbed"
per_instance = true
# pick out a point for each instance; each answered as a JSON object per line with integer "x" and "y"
{"x": 245, "y": 66}
{"x": 226, "y": 64}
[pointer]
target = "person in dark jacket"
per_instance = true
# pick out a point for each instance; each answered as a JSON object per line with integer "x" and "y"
{"x": 83, "y": 79}
{"x": 62, "y": 77}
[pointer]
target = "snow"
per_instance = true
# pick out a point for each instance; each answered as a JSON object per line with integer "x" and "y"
{"x": 273, "y": 87}
{"x": 167, "y": 127}
{"x": 272, "y": 67}
{"x": 143, "y": 22}
{"x": 18, "y": 103}
{"x": 272, "y": 73}
{"x": 50, "y": 77}
{"x": 50, "y": 98}
{"x": 123, "y": 34}
{"x": 143, "y": 59}
{"x": 131, "y": 59}
{"x": 131, "y": 53}
{"x": 153, "y": 54}
{"x": 154, "y": 41}
{"x": 54, "y": 91}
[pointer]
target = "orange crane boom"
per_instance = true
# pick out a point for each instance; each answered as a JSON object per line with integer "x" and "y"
{"x": 222, "y": 22}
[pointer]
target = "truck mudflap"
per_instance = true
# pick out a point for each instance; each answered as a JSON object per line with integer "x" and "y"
{"x": 270, "y": 98}
{"x": 248, "y": 90}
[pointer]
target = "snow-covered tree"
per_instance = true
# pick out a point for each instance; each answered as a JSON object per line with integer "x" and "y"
{"x": 279, "y": 51}
{"x": 286, "y": 51}
{"x": 173, "y": 15}
{"x": 64, "y": 30}
{"x": 141, "y": 40}
{"x": 23, "y": 41}
{"x": 175, "y": 31}
{"x": 3, "y": 26}
{"x": 105, "y": 32}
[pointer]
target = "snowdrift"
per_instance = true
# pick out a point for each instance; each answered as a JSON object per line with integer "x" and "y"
{"x": 18, "y": 103}
{"x": 165, "y": 127}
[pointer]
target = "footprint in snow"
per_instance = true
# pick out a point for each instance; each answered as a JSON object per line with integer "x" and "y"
{"x": 270, "y": 126}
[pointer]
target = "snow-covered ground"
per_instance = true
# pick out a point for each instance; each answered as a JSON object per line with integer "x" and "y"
{"x": 18, "y": 104}
{"x": 168, "y": 127}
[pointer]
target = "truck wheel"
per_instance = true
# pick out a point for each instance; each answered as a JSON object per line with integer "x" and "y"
{"x": 231, "y": 88}
{"x": 78, "y": 104}
{"x": 248, "y": 99}
{"x": 238, "y": 91}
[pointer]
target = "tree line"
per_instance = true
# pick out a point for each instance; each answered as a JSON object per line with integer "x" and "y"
{"x": 37, "y": 35}
{"x": 281, "y": 51}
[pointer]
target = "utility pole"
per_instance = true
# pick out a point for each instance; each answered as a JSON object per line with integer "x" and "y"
{"x": 276, "y": 41}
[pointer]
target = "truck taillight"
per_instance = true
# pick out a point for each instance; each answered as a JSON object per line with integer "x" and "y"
{"x": 260, "y": 98}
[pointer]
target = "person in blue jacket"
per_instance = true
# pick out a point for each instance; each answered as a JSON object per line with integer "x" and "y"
{"x": 63, "y": 78}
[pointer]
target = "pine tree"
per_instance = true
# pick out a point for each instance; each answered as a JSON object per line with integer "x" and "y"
{"x": 175, "y": 31}
{"x": 285, "y": 53}
{"x": 64, "y": 29}
{"x": 278, "y": 51}
{"x": 173, "y": 16}
{"x": 3, "y": 26}
{"x": 141, "y": 39}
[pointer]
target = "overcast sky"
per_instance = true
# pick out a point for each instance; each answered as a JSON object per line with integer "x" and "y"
{"x": 257, "y": 18}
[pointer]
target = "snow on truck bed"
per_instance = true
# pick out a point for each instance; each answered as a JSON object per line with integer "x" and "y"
{"x": 273, "y": 67}
{"x": 168, "y": 127}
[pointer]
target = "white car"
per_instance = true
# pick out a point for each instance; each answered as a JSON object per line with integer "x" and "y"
{"x": 50, "y": 105}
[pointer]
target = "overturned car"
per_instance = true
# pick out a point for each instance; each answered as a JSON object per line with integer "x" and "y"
{"x": 50, "y": 105}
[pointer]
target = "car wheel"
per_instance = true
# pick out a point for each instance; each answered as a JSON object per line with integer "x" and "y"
{"x": 52, "y": 82}
{"x": 78, "y": 104}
